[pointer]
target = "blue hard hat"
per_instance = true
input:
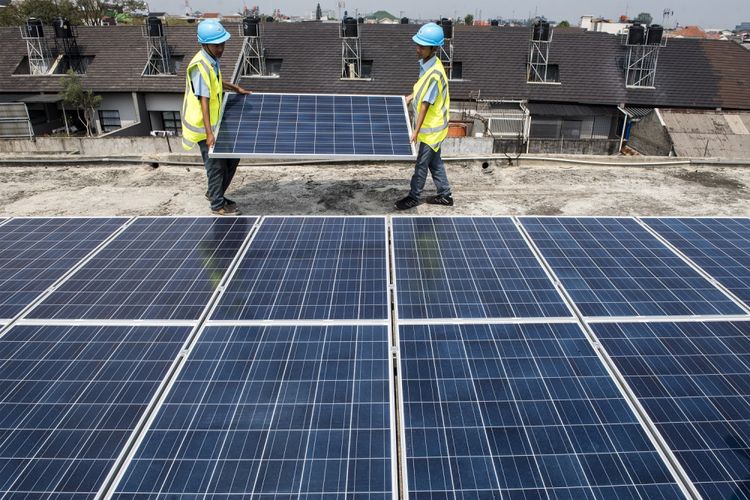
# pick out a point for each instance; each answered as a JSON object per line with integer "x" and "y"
{"x": 429, "y": 35}
{"x": 211, "y": 32}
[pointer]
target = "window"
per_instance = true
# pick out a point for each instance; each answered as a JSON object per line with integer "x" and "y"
{"x": 457, "y": 71}
{"x": 273, "y": 67}
{"x": 366, "y": 69}
{"x": 171, "y": 121}
{"x": 109, "y": 119}
{"x": 537, "y": 74}
{"x": 571, "y": 129}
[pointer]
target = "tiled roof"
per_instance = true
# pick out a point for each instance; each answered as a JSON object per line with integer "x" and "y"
{"x": 691, "y": 72}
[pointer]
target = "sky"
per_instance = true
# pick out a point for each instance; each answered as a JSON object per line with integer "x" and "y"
{"x": 708, "y": 14}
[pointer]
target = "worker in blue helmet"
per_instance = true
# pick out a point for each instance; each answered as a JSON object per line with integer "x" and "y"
{"x": 201, "y": 107}
{"x": 430, "y": 103}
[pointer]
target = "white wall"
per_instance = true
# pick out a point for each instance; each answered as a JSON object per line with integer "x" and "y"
{"x": 164, "y": 102}
{"x": 122, "y": 103}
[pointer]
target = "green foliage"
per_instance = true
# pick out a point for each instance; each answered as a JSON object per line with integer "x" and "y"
{"x": 644, "y": 18}
{"x": 563, "y": 24}
{"x": 10, "y": 16}
{"x": 83, "y": 101}
{"x": 469, "y": 20}
{"x": 16, "y": 14}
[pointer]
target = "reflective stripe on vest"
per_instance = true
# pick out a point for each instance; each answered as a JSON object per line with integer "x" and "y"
{"x": 193, "y": 130}
{"x": 435, "y": 125}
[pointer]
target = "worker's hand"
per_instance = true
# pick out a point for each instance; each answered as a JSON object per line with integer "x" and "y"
{"x": 210, "y": 139}
{"x": 409, "y": 98}
{"x": 240, "y": 90}
{"x": 414, "y": 136}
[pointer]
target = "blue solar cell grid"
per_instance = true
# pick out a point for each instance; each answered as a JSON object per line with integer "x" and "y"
{"x": 469, "y": 267}
{"x": 159, "y": 268}
{"x": 519, "y": 411}
{"x": 69, "y": 399}
{"x": 615, "y": 267}
{"x": 305, "y": 268}
{"x": 273, "y": 412}
{"x": 693, "y": 379}
{"x": 721, "y": 247}
{"x": 313, "y": 126}
{"x": 34, "y": 253}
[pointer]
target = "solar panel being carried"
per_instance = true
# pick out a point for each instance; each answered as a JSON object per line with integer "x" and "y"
{"x": 613, "y": 266}
{"x": 158, "y": 268}
{"x": 314, "y": 126}
{"x": 274, "y": 412}
{"x": 469, "y": 267}
{"x": 693, "y": 379}
{"x": 720, "y": 246}
{"x": 520, "y": 411}
{"x": 311, "y": 268}
{"x": 36, "y": 252}
{"x": 70, "y": 397}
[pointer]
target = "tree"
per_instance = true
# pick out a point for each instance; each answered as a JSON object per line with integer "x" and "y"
{"x": 644, "y": 18}
{"x": 318, "y": 13}
{"x": 47, "y": 10}
{"x": 10, "y": 16}
{"x": 468, "y": 20}
{"x": 83, "y": 101}
{"x": 92, "y": 11}
{"x": 563, "y": 24}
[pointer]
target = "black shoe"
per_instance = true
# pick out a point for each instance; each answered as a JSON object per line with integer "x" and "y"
{"x": 406, "y": 203}
{"x": 441, "y": 199}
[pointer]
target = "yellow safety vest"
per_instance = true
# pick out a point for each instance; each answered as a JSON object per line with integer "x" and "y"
{"x": 193, "y": 130}
{"x": 435, "y": 126}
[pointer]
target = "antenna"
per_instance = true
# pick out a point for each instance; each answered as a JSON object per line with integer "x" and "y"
{"x": 666, "y": 17}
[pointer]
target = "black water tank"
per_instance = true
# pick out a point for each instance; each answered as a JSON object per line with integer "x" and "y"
{"x": 494, "y": 22}
{"x": 360, "y": 20}
{"x": 269, "y": 19}
{"x": 62, "y": 28}
{"x": 251, "y": 26}
{"x": 541, "y": 31}
{"x": 655, "y": 33}
{"x": 636, "y": 34}
{"x": 404, "y": 20}
{"x": 447, "y": 26}
{"x": 349, "y": 27}
{"x": 155, "y": 27}
{"x": 34, "y": 28}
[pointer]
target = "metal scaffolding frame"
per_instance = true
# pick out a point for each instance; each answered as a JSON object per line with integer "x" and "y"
{"x": 159, "y": 57}
{"x": 253, "y": 59}
{"x": 39, "y": 55}
{"x": 536, "y": 70}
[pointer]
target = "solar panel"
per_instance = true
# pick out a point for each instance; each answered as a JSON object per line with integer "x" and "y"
{"x": 314, "y": 126}
{"x": 519, "y": 411}
{"x": 70, "y": 396}
{"x": 274, "y": 412}
{"x": 720, "y": 246}
{"x": 693, "y": 379}
{"x": 469, "y": 267}
{"x": 158, "y": 268}
{"x": 304, "y": 268}
{"x": 614, "y": 267}
{"x": 34, "y": 253}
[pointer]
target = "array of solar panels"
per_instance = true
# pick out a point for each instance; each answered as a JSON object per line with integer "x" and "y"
{"x": 246, "y": 357}
{"x": 314, "y": 126}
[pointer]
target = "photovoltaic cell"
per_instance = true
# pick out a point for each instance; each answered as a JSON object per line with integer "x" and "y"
{"x": 34, "y": 253}
{"x": 721, "y": 247}
{"x": 615, "y": 267}
{"x": 304, "y": 268}
{"x": 70, "y": 398}
{"x": 310, "y": 125}
{"x": 469, "y": 267}
{"x": 519, "y": 411}
{"x": 273, "y": 412}
{"x": 693, "y": 379}
{"x": 158, "y": 268}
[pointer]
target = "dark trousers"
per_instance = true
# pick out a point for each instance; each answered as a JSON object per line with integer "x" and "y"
{"x": 427, "y": 159}
{"x": 219, "y": 172}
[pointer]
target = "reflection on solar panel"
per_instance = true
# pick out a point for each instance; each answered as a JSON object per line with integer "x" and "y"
{"x": 309, "y": 125}
{"x": 34, "y": 253}
{"x": 69, "y": 399}
{"x": 720, "y": 246}
{"x": 158, "y": 268}
{"x": 523, "y": 410}
{"x": 694, "y": 381}
{"x": 311, "y": 268}
{"x": 614, "y": 267}
{"x": 469, "y": 267}
{"x": 276, "y": 412}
